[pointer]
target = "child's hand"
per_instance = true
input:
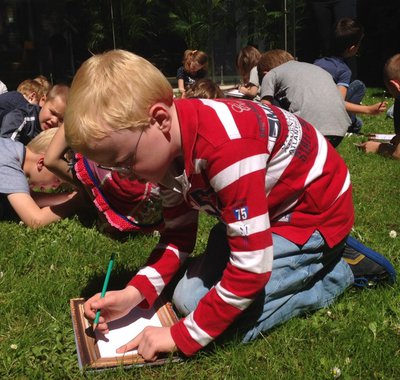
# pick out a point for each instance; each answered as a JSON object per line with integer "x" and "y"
{"x": 377, "y": 108}
{"x": 150, "y": 342}
{"x": 370, "y": 146}
{"x": 114, "y": 305}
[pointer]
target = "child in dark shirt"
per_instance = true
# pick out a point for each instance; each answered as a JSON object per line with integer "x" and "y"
{"x": 346, "y": 41}
{"x": 194, "y": 67}
{"x": 23, "y": 124}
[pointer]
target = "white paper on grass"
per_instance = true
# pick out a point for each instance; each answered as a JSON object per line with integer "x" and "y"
{"x": 381, "y": 136}
{"x": 124, "y": 330}
{"x": 234, "y": 93}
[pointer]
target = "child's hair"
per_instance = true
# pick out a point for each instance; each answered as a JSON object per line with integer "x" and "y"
{"x": 247, "y": 58}
{"x": 198, "y": 56}
{"x": 44, "y": 82}
{"x": 347, "y": 33}
{"x": 271, "y": 59}
{"x": 30, "y": 87}
{"x": 58, "y": 90}
{"x": 112, "y": 91}
{"x": 204, "y": 88}
{"x": 41, "y": 142}
{"x": 391, "y": 70}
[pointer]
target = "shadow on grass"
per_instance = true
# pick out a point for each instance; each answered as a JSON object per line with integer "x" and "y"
{"x": 118, "y": 280}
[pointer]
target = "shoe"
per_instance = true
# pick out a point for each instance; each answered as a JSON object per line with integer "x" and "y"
{"x": 390, "y": 111}
{"x": 369, "y": 267}
{"x": 355, "y": 126}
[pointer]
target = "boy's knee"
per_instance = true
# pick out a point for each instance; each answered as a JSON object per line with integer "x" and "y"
{"x": 186, "y": 299}
{"x": 359, "y": 86}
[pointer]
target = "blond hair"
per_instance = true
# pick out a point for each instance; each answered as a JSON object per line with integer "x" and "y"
{"x": 41, "y": 142}
{"x": 44, "y": 82}
{"x": 391, "y": 70}
{"x": 116, "y": 88}
{"x": 247, "y": 58}
{"x": 59, "y": 90}
{"x": 271, "y": 59}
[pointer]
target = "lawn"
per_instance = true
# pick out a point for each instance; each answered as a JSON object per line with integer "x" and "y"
{"x": 358, "y": 337}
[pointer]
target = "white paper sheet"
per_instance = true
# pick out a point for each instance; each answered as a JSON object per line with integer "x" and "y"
{"x": 125, "y": 329}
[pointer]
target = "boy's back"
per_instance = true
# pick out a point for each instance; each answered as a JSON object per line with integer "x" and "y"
{"x": 309, "y": 92}
{"x": 339, "y": 70}
{"x": 9, "y": 101}
{"x": 21, "y": 124}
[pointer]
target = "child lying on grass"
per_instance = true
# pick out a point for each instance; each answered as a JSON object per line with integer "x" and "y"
{"x": 21, "y": 171}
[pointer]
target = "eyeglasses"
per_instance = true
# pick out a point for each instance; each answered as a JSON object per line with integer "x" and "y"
{"x": 128, "y": 169}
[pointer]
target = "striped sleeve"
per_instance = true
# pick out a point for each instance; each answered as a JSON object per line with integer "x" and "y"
{"x": 176, "y": 243}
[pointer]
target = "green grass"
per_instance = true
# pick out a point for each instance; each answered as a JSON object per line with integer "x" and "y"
{"x": 40, "y": 270}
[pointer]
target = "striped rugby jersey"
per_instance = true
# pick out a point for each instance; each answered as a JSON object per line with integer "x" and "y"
{"x": 259, "y": 169}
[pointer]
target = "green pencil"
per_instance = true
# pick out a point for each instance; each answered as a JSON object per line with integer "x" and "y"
{"x": 103, "y": 291}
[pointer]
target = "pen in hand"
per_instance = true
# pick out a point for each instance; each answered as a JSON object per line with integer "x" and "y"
{"x": 103, "y": 291}
{"x": 383, "y": 100}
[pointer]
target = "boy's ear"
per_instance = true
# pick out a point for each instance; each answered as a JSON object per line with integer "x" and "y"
{"x": 42, "y": 101}
{"x": 396, "y": 84}
{"x": 351, "y": 50}
{"x": 40, "y": 164}
{"x": 160, "y": 116}
{"x": 32, "y": 97}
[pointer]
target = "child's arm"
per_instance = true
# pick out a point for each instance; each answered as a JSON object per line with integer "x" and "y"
{"x": 373, "y": 109}
{"x": 56, "y": 207}
{"x": 384, "y": 149}
{"x": 249, "y": 90}
{"x": 181, "y": 87}
{"x": 54, "y": 158}
{"x": 343, "y": 91}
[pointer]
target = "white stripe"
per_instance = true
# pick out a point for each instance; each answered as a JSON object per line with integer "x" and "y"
{"x": 346, "y": 185}
{"x": 240, "y": 303}
{"x": 240, "y": 168}
{"x": 181, "y": 255}
{"x": 319, "y": 163}
{"x": 277, "y": 166}
{"x": 198, "y": 334}
{"x": 259, "y": 261}
{"x": 282, "y": 211}
{"x": 19, "y": 129}
{"x": 225, "y": 117}
{"x": 248, "y": 226}
{"x": 154, "y": 277}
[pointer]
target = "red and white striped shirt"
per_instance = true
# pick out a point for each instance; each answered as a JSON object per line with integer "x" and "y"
{"x": 260, "y": 170}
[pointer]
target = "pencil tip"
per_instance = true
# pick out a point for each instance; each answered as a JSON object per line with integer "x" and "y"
{"x": 94, "y": 326}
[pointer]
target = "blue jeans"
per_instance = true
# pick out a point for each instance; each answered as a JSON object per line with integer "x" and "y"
{"x": 355, "y": 94}
{"x": 304, "y": 278}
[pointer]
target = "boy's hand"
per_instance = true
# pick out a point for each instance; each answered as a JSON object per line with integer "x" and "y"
{"x": 114, "y": 305}
{"x": 370, "y": 146}
{"x": 377, "y": 108}
{"x": 150, "y": 342}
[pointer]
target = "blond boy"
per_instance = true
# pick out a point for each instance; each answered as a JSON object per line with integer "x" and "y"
{"x": 21, "y": 172}
{"x": 281, "y": 192}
